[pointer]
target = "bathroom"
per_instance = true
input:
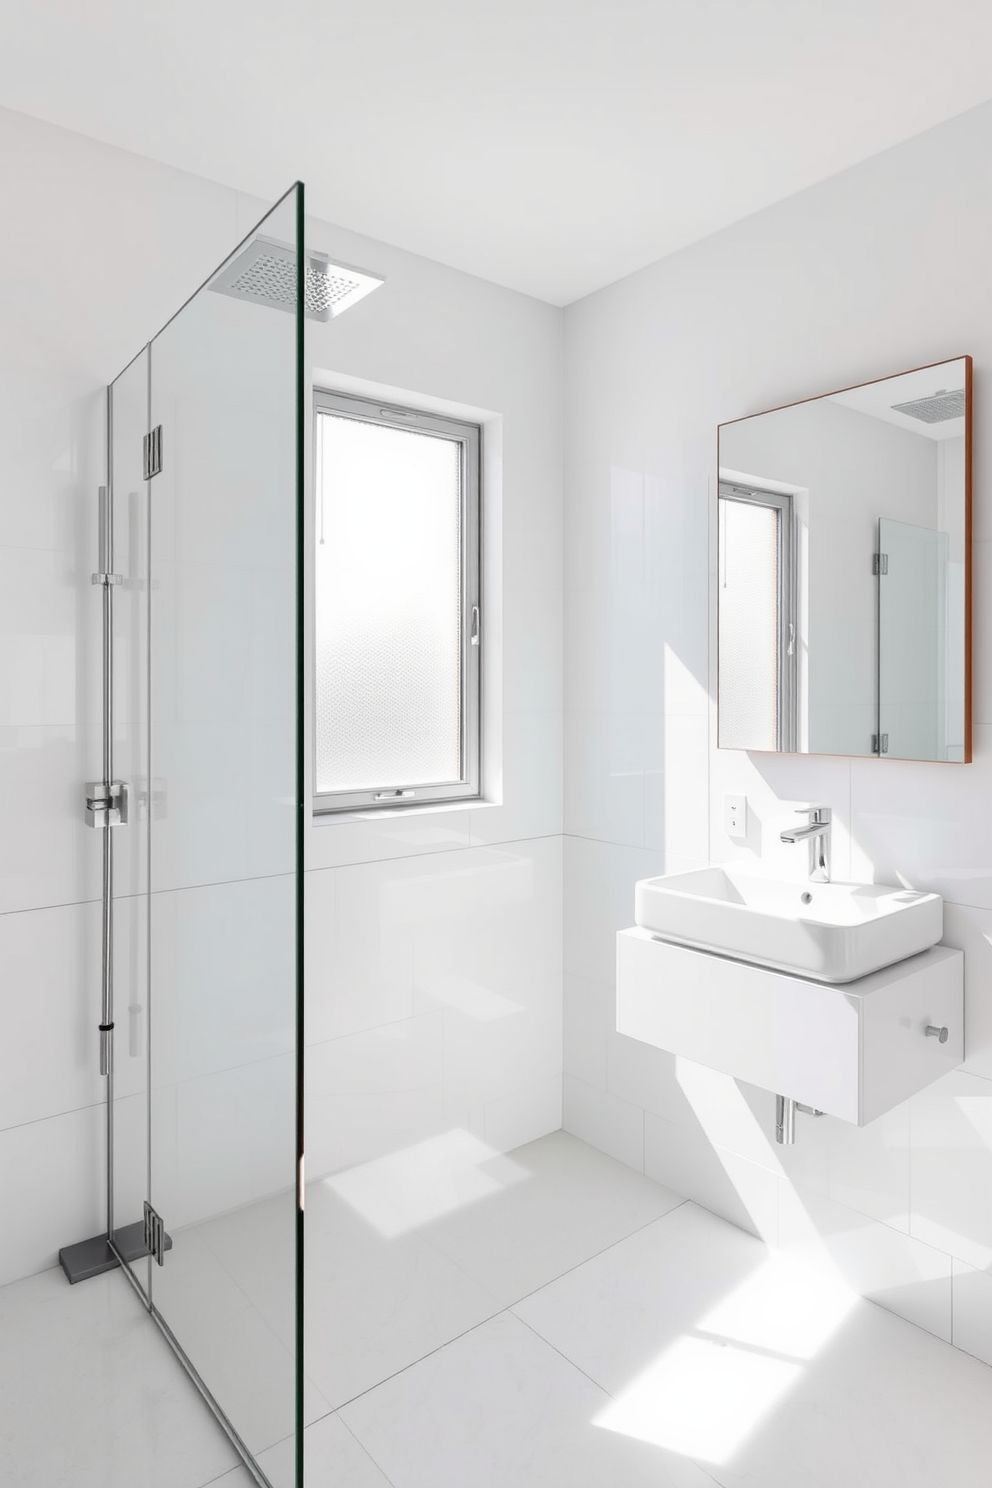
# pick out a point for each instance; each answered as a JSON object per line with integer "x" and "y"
{"x": 536, "y": 1250}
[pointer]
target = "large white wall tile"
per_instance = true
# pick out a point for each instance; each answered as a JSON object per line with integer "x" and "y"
{"x": 599, "y": 900}
{"x": 589, "y": 1016}
{"x": 927, "y": 826}
{"x": 374, "y": 1092}
{"x": 893, "y": 1269}
{"x": 604, "y": 1121}
{"x": 527, "y": 786}
{"x": 686, "y": 1161}
{"x": 52, "y": 1181}
{"x": 49, "y": 1058}
{"x": 337, "y": 841}
{"x": 951, "y": 1167}
{"x": 870, "y": 1165}
{"x": 970, "y": 930}
{"x": 523, "y": 1115}
{"x": 605, "y": 776}
{"x": 972, "y": 1311}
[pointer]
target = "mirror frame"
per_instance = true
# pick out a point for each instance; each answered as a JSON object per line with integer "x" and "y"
{"x": 968, "y": 558}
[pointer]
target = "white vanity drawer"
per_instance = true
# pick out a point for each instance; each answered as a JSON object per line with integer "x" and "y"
{"x": 852, "y": 1050}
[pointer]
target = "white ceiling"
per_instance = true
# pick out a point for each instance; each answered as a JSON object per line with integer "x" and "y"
{"x": 550, "y": 145}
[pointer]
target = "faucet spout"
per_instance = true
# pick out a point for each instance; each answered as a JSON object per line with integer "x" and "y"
{"x": 817, "y": 834}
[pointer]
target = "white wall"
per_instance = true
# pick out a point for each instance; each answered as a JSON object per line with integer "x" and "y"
{"x": 842, "y": 283}
{"x": 435, "y": 998}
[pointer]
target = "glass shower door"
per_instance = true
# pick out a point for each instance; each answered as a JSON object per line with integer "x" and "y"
{"x": 912, "y": 648}
{"x": 224, "y": 881}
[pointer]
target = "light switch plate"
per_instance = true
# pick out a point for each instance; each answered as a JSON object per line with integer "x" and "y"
{"x": 735, "y": 816}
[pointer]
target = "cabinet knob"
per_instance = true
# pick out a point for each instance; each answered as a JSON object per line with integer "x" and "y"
{"x": 940, "y": 1034}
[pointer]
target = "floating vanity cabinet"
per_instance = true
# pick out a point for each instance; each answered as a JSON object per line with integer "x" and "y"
{"x": 853, "y": 1050}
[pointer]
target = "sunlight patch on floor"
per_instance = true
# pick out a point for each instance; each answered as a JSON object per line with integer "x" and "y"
{"x": 713, "y": 1386}
{"x": 405, "y": 1190}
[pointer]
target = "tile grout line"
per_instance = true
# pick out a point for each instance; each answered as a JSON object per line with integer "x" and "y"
{"x": 361, "y": 1445}
{"x": 602, "y": 1388}
{"x": 597, "y": 1254}
{"x": 437, "y": 852}
{"x": 501, "y": 1308}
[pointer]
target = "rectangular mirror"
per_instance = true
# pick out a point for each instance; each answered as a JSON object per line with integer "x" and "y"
{"x": 844, "y": 572}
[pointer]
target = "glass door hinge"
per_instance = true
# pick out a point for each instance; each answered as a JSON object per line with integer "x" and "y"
{"x": 879, "y": 743}
{"x": 152, "y": 452}
{"x": 154, "y": 1234}
{"x": 106, "y": 807}
{"x": 880, "y": 563}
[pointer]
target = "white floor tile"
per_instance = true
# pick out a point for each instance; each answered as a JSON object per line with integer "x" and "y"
{"x": 90, "y": 1395}
{"x": 561, "y": 1202}
{"x": 613, "y": 1315}
{"x": 377, "y": 1302}
{"x": 248, "y": 1368}
{"x": 333, "y": 1458}
{"x": 766, "y": 1372}
{"x": 500, "y": 1409}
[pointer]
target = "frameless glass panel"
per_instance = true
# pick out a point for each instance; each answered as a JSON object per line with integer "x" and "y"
{"x": 224, "y": 887}
{"x": 388, "y": 606}
{"x": 128, "y": 497}
{"x": 749, "y": 625}
{"x": 916, "y": 682}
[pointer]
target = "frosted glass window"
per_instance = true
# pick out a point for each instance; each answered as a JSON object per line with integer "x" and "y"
{"x": 396, "y": 630}
{"x": 749, "y": 600}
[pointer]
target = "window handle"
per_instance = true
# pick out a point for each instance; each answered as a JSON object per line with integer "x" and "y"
{"x": 791, "y": 649}
{"x": 393, "y": 795}
{"x": 474, "y": 632}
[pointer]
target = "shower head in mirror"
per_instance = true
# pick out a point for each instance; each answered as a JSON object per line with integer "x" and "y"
{"x": 936, "y": 410}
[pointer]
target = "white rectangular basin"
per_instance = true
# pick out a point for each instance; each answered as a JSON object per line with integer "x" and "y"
{"x": 833, "y": 932}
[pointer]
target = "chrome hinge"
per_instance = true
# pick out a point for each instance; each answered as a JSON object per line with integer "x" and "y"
{"x": 879, "y": 563}
{"x": 106, "y": 807}
{"x": 879, "y": 743}
{"x": 154, "y": 1234}
{"x": 152, "y": 452}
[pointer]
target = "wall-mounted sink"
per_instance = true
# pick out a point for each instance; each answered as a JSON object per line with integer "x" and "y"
{"x": 829, "y": 932}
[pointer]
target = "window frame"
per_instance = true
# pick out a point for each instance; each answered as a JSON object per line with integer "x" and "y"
{"x": 787, "y": 720}
{"x": 468, "y": 436}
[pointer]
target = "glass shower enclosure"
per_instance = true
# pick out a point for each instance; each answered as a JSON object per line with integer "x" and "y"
{"x": 201, "y": 550}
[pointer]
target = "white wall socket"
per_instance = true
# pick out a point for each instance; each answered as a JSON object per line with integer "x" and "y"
{"x": 735, "y": 816}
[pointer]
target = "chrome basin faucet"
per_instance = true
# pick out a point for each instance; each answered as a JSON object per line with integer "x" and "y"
{"x": 817, "y": 834}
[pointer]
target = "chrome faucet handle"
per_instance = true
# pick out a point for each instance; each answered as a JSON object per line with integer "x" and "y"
{"x": 815, "y": 813}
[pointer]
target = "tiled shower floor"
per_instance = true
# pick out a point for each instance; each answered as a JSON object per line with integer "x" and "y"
{"x": 549, "y": 1319}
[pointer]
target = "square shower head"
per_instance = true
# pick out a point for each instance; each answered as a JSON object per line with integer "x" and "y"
{"x": 265, "y": 272}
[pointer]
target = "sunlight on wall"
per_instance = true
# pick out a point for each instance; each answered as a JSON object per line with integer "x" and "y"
{"x": 684, "y": 693}
{"x": 709, "y": 1391}
{"x": 405, "y": 1190}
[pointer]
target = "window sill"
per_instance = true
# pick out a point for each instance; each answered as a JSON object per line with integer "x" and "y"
{"x": 390, "y": 813}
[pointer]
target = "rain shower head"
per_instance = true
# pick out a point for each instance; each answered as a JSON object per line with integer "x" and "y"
{"x": 265, "y": 272}
{"x": 937, "y": 409}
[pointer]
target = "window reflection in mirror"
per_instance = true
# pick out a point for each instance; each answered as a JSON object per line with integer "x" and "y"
{"x": 843, "y": 572}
